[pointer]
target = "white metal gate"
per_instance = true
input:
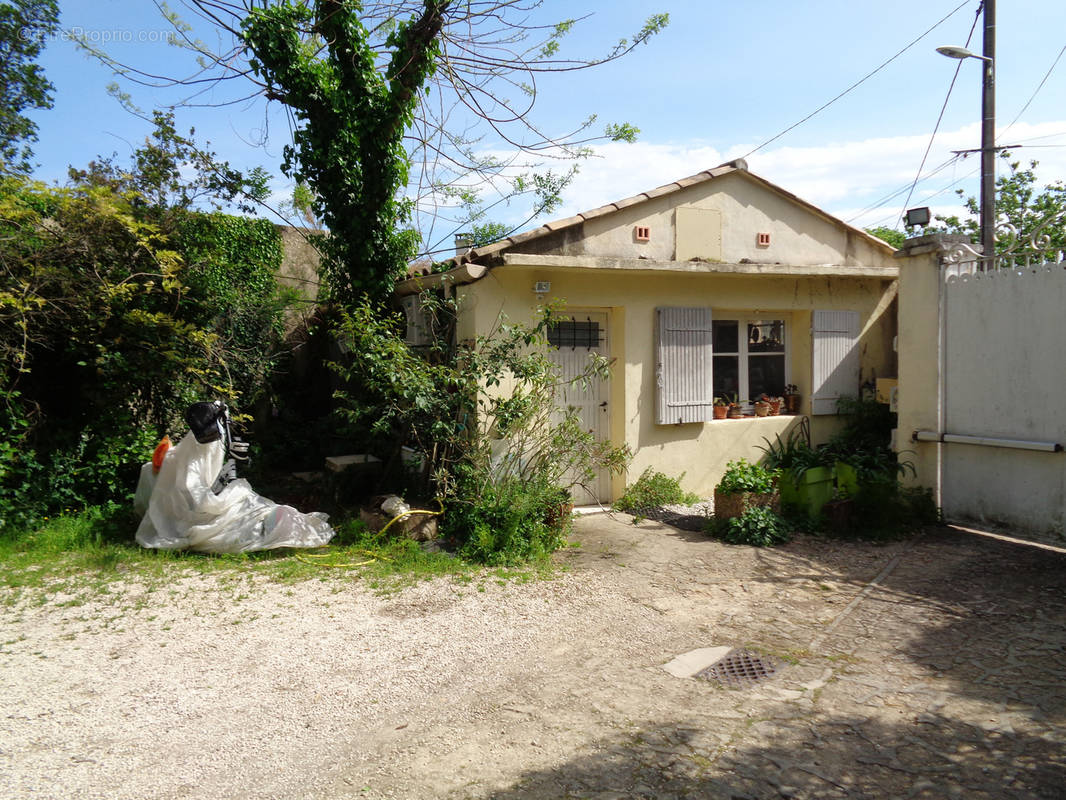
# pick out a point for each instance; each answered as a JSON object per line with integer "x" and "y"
{"x": 574, "y": 341}
{"x": 1003, "y": 381}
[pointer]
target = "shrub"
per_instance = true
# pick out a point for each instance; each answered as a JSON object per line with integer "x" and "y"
{"x": 512, "y": 522}
{"x": 758, "y": 527}
{"x": 883, "y": 509}
{"x": 652, "y": 490}
{"x": 118, "y": 307}
{"x": 486, "y": 419}
{"x": 743, "y": 476}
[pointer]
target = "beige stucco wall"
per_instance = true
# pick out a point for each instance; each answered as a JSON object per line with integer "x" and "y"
{"x": 700, "y": 450}
{"x": 744, "y": 207}
{"x": 995, "y": 369}
{"x": 918, "y": 348}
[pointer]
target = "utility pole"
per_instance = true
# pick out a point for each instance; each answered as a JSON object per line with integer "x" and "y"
{"x": 988, "y": 138}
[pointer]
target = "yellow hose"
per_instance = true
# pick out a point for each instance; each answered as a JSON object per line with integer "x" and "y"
{"x": 306, "y": 558}
{"x": 412, "y": 512}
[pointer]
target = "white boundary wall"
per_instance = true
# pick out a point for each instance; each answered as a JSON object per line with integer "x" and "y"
{"x": 1005, "y": 377}
{"x": 983, "y": 355}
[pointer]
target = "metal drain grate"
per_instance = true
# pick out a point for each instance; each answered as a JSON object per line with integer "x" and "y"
{"x": 739, "y": 669}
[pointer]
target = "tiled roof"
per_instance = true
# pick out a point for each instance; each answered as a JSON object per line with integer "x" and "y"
{"x": 421, "y": 268}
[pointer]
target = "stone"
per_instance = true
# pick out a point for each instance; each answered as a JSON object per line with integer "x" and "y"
{"x": 688, "y": 664}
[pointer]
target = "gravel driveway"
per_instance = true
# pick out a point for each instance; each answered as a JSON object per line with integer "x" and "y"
{"x": 929, "y": 668}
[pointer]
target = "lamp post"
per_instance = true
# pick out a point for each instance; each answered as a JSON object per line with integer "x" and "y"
{"x": 988, "y": 130}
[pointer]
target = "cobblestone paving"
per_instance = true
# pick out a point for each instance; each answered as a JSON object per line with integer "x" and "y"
{"x": 946, "y": 678}
{"x": 931, "y": 668}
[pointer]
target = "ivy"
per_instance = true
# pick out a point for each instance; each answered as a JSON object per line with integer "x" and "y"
{"x": 348, "y": 146}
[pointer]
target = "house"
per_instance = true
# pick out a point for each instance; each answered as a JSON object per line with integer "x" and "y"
{"x": 717, "y": 284}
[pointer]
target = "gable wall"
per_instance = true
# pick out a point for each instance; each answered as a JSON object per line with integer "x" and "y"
{"x": 742, "y": 209}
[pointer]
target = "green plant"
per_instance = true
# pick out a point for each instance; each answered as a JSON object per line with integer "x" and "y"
{"x": 653, "y": 489}
{"x": 757, "y": 526}
{"x": 511, "y": 523}
{"x": 114, "y": 315}
{"x": 883, "y": 509}
{"x": 486, "y": 419}
{"x": 743, "y": 476}
{"x": 25, "y": 27}
{"x": 794, "y": 455}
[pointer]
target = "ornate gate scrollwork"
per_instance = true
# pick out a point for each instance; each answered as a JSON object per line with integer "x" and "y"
{"x": 1043, "y": 246}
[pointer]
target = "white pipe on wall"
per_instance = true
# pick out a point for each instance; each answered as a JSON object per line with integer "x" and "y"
{"x": 986, "y": 441}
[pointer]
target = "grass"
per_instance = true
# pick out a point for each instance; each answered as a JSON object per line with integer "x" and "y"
{"x": 79, "y": 554}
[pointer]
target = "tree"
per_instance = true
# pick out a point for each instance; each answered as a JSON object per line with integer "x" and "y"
{"x": 377, "y": 88}
{"x": 116, "y": 313}
{"x": 1026, "y": 216}
{"x": 25, "y": 25}
{"x": 890, "y": 235}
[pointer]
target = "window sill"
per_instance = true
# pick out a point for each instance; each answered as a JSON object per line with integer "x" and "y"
{"x": 754, "y": 416}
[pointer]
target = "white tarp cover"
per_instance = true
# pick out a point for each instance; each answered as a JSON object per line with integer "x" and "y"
{"x": 182, "y": 513}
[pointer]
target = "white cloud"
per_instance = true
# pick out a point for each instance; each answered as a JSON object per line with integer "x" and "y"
{"x": 844, "y": 178}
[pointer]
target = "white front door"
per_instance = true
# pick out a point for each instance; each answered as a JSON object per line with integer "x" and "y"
{"x": 574, "y": 340}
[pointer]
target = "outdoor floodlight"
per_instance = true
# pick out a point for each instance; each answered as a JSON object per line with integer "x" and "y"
{"x": 917, "y": 216}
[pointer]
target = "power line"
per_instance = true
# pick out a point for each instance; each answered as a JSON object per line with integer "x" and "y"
{"x": 858, "y": 83}
{"x": 1036, "y": 91}
{"x": 939, "y": 119}
{"x": 897, "y": 192}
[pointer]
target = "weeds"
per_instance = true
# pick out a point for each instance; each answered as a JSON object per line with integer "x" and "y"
{"x": 653, "y": 490}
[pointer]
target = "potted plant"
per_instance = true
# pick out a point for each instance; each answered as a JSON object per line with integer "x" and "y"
{"x": 743, "y": 486}
{"x": 736, "y": 410}
{"x": 792, "y": 399}
{"x": 720, "y": 408}
{"x": 807, "y": 476}
{"x": 775, "y": 405}
{"x": 762, "y": 406}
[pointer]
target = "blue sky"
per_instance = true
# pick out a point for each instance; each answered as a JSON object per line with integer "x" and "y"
{"x": 722, "y": 79}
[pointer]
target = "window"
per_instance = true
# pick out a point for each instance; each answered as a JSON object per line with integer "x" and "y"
{"x": 573, "y": 334}
{"x": 749, "y": 358}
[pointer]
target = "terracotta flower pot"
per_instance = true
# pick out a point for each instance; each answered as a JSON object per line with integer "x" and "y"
{"x": 775, "y": 406}
{"x": 720, "y": 412}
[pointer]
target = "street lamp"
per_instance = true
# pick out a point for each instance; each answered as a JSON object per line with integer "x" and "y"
{"x": 988, "y": 130}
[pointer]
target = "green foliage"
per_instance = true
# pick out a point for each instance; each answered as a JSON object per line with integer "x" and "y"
{"x": 864, "y": 440}
{"x": 230, "y": 273}
{"x": 890, "y": 235}
{"x": 108, "y": 331}
{"x": 171, "y": 173}
{"x": 758, "y": 526}
{"x": 653, "y": 489}
{"x": 743, "y": 476}
{"x": 484, "y": 416}
{"x": 883, "y": 509}
{"x": 1020, "y": 205}
{"x": 348, "y": 147}
{"x": 487, "y": 233}
{"x": 512, "y": 522}
{"x": 25, "y": 25}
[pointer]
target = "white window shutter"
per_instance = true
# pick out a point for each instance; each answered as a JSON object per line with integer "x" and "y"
{"x": 835, "y": 336}
{"x": 683, "y": 365}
